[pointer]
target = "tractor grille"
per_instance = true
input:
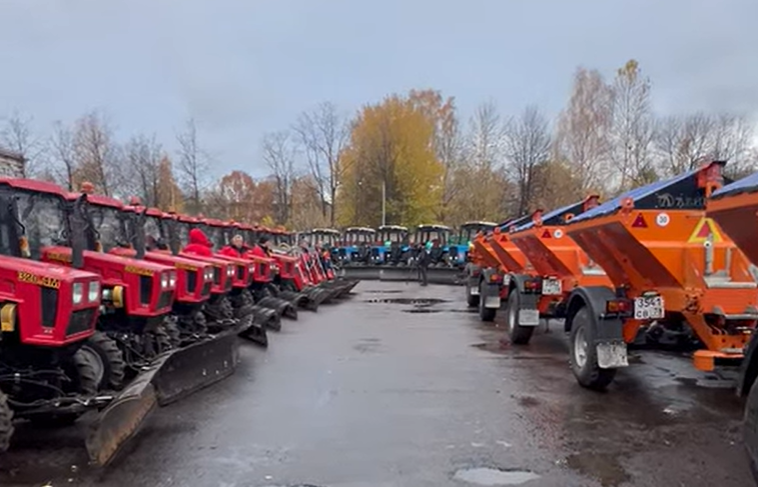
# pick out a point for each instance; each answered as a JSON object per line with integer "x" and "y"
{"x": 217, "y": 276}
{"x": 262, "y": 269}
{"x": 49, "y": 304}
{"x": 191, "y": 281}
{"x": 80, "y": 321}
{"x": 145, "y": 289}
{"x": 207, "y": 288}
{"x": 228, "y": 284}
{"x": 290, "y": 268}
{"x": 240, "y": 272}
{"x": 164, "y": 300}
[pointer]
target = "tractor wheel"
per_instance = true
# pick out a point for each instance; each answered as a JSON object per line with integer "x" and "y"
{"x": 161, "y": 340}
{"x": 200, "y": 323}
{"x": 485, "y": 314}
{"x": 6, "y": 423}
{"x": 519, "y": 335}
{"x": 85, "y": 381}
{"x": 584, "y": 355}
{"x": 106, "y": 359}
{"x": 172, "y": 330}
{"x": 471, "y": 299}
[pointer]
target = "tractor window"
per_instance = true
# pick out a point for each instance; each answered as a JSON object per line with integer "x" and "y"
{"x": 44, "y": 219}
{"x": 183, "y": 229}
{"x": 109, "y": 226}
{"x": 217, "y": 236}
{"x": 153, "y": 227}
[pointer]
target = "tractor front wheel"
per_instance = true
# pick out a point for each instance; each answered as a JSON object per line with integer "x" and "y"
{"x": 6, "y": 423}
{"x": 106, "y": 359}
{"x": 583, "y": 356}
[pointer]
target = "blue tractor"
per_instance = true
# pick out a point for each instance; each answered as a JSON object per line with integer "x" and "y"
{"x": 459, "y": 245}
{"x": 392, "y": 245}
{"x": 356, "y": 245}
{"x": 427, "y": 235}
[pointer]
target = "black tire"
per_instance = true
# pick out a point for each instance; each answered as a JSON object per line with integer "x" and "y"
{"x": 587, "y": 371}
{"x": 172, "y": 330}
{"x": 472, "y": 300}
{"x": 161, "y": 340}
{"x": 750, "y": 428}
{"x": 519, "y": 335}
{"x": 485, "y": 314}
{"x": 109, "y": 357}
{"x": 85, "y": 376}
{"x": 6, "y": 423}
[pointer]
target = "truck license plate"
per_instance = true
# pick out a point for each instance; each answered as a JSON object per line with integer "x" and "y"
{"x": 528, "y": 317}
{"x": 551, "y": 287}
{"x": 474, "y": 291}
{"x": 492, "y": 302}
{"x": 649, "y": 308}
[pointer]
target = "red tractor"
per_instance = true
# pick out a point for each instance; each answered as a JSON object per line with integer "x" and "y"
{"x": 48, "y": 315}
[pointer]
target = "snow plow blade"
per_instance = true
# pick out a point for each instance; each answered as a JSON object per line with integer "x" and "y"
{"x": 197, "y": 366}
{"x": 253, "y": 328}
{"x": 122, "y": 418}
{"x": 267, "y": 318}
{"x": 281, "y": 306}
{"x": 360, "y": 272}
{"x": 299, "y": 300}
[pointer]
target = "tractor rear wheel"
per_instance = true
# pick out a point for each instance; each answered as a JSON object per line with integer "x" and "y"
{"x": 6, "y": 423}
{"x": 519, "y": 335}
{"x": 172, "y": 330}
{"x": 107, "y": 360}
{"x": 583, "y": 356}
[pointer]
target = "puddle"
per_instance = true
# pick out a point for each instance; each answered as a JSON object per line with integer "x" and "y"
{"x": 411, "y": 301}
{"x": 604, "y": 467}
{"x": 388, "y": 291}
{"x": 494, "y": 476}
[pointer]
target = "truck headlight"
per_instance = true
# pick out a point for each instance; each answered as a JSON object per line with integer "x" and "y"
{"x": 164, "y": 280}
{"x": 172, "y": 279}
{"x": 77, "y": 292}
{"x": 93, "y": 294}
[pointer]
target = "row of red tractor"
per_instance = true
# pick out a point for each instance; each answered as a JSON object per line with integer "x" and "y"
{"x": 110, "y": 308}
{"x": 668, "y": 264}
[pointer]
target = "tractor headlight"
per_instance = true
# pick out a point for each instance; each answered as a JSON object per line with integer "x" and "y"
{"x": 93, "y": 294}
{"x": 164, "y": 280}
{"x": 230, "y": 271}
{"x": 209, "y": 274}
{"x": 172, "y": 279}
{"x": 77, "y": 292}
{"x": 251, "y": 269}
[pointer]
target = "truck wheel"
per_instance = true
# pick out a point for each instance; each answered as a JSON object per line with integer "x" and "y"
{"x": 750, "y": 428}
{"x": 584, "y": 354}
{"x": 106, "y": 359}
{"x": 519, "y": 335}
{"x": 6, "y": 423}
{"x": 485, "y": 314}
{"x": 472, "y": 300}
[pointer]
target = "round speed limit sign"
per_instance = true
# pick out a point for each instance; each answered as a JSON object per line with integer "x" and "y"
{"x": 662, "y": 219}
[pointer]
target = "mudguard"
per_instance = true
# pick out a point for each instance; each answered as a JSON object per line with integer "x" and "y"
{"x": 267, "y": 318}
{"x": 609, "y": 331}
{"x": 281, "y": 306}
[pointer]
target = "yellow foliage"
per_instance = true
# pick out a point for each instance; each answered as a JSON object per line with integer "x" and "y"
{"x": 393, "y": 143}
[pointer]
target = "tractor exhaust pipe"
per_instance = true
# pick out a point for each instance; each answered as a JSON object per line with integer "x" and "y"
{"x": 138, "y": 220}
{"x": 79, "y": 227}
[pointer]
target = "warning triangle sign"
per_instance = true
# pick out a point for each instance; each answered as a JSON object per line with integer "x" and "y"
{"x": 704, "y": 230}
{"x": 546, "y": 234}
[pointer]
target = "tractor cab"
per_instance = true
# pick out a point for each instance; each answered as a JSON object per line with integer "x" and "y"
{"x": 392, "y": 244}
{"x": 357, "y": 242}
{"x": 461, "y": 243}
{"x": 426, "y": 235}
{"x": 326, "y": 238}
{"x": 223, "y": 271}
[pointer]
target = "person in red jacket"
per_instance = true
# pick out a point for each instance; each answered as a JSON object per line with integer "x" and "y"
{"x": 261, "y": 249}
{"x": 198, "y": 244}
{"x": 236, "y": 249}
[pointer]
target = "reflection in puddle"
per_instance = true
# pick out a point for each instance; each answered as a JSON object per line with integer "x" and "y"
{"x": 494, "y": 476}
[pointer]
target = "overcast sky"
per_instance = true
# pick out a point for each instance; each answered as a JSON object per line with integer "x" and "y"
{"x": 245, "y": 67}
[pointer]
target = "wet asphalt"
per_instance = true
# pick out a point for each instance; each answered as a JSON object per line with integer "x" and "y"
{"x": 375, "y": 393}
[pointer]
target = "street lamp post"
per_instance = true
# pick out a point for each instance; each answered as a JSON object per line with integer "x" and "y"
{"x": 384, "y": 202}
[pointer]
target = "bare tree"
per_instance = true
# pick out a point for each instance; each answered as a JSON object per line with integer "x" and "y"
{"x": 63, "y": 155}
{"x": 96, "y": 154}
{"x": 582, "y": 136}
{"x": 279, "y": 154}
{"x": 527, "y": 144}
{"x": 192, "y": 167}
{"x": 682, "y": 142}
{"x": 143, "y": 157}
{"x": 486, "y": 137}
{"x": 18, "y": 136}
{"x": 323, "y": 134}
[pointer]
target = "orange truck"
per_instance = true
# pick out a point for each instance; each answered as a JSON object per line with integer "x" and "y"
{"x": 735, "y": 209}
{"x": 669, "y": 265}
{"x": 559, "y": 264}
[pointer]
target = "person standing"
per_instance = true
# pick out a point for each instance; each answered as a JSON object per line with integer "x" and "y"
{"x": 423, "y": 264}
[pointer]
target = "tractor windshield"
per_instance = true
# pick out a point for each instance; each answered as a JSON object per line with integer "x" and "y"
{"x": 108, "y": 224}
{"x": 153, "y": 227}
{"x": 325, "y": 239}
{"x": 468, "y": 234}
{"x": 43, "y": 216}
{"x": 432, "y": 235}
{"x": 217, "y": 235}
{"x": 183, "y": 228}
{"x": 392, "y": 236}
